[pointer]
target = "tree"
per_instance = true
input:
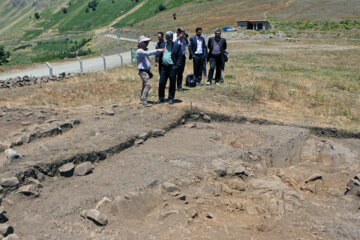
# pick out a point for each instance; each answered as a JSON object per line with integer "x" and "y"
{"x": 37, "y": 15}
{"x": 3, "y": 55}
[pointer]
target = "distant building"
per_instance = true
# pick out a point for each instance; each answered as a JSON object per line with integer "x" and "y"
{"x": 253, "y": 25}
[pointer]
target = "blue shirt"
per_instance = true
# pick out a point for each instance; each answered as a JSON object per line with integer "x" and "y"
{"x": 167, "y": 60}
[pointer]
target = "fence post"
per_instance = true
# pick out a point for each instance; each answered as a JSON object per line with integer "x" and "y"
{"x": 81, "y": 65}
{"x": 50, "y": 68}
{"x": 121, "y": 60}
{"x": 104, "y": 61}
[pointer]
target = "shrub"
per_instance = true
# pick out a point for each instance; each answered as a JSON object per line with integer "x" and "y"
{"x": 37, "y": 15}
{"x": 64, "y": 10}
{"x": 87, "y": 10}
{"x": 3, "y": 55}
{"x": 161, "y": 7}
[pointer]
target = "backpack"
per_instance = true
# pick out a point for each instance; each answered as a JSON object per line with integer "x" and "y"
{"x": 190, "y": 80}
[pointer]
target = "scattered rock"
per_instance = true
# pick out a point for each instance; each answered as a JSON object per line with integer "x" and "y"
{"x": 25, "y": 123}
{"x": 12, "y": 237}
{"x": 206, "y": 118}
{"x": 11, "y": 155}
{"x": 357, "y": 177}
{"x": 110, "y": 113}
{"x": 76, "y": 121}
{"x": 221, "y": 172}
{"x": 18, "y": 141}
{"x": 10, "y": 182}
{"x": 95, "y": 216}
{"x": 237, "y": 184}
{"x": 291, "y": 92}
{"x": 139, "y": 141}
{"x": 182, "y": 197}
{"x": 66, "y": 125}
{"x": 84, "y": 169}
{"x": 102, "y": 203}
{"x": 195, "y": 116}
{"x": 34, "y": 181}
{"x": 226, "y": 189}
{"x": 170, "y": 187}
{"x": 29, "y": 190}
{"x": 353, "y": 187}
{"x": 115, "y": 105}
{"x": 209, "y": 215}
{"x": 314, "y": 177}
{"x": 158, "y": 133}
{"x": 6, "y": 229}
{"x": 145, "y": 135}
{"x": 67, "y": 169}
{"x": 164, "y": 215}
{"x": 52, "y": 120}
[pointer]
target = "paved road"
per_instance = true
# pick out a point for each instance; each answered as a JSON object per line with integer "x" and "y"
{"x": 93, "y": 64}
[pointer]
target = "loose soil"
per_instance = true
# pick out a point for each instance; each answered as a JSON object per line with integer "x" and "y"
{"x": 224, "y": 179}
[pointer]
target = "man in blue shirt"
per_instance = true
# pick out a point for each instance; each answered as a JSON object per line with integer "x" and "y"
{"x": 181, "y": 38}
{"x": 170, "y": 60}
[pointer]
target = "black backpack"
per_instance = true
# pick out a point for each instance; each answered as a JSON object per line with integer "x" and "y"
{"x": 190, "y": 80}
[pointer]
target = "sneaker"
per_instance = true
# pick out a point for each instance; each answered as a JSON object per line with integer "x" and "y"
{"x": 180, "y": 89}
{"x": 217, "y": 83}
{"x": 208, "y": 83}
{"x": 145, "y": 103}
{"x": 171, "y": 101}
{"x": 160, "y": 101}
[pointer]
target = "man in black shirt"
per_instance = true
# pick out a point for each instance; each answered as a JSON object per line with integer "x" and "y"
{"x": 159, "y": 45}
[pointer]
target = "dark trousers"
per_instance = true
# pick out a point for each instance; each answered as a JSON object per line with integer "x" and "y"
{"x": 198, "y": 66}
{"x": 180, "y": 72}
{"x": 167, "y": 72}
{"x": 215, "y": 62}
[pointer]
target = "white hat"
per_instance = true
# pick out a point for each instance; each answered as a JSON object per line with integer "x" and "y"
{"x": 144, "y": 39}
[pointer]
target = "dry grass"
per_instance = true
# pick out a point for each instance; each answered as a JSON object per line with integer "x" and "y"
{"x": 309, "y": 82}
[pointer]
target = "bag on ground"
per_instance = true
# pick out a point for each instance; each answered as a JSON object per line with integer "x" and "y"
{"x": 190, "y": 80}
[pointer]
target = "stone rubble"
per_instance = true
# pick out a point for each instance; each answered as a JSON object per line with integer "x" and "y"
{"x": 67, "y": 169}
{"x": 84, "y": 169}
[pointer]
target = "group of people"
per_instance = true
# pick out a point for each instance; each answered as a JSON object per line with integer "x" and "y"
{"x": 170, "y": 58}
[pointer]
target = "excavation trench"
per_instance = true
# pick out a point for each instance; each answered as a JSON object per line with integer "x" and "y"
{"x": 199, "y": 175}
{"x": 285, "y": 152}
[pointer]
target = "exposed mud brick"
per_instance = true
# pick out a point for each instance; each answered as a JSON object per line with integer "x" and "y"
{"x": 170, "y": 187}
{"x": 84, "y": 169}
{"x": 67, "y": 169}
{"x": 9, "y": 182}
{"x": 96, "y": 217}
{"x": 6, "y": 229}
{"x": 158, "y": 133}
{"x": 29, "y": 190}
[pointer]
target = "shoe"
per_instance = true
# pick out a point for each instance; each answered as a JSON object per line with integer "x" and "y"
{"x": 160, "y": 101}
{"x": 217, "y": 83}
{"x": 180, "y": 89}
{"x": 171, "y": 101}
{"x": 199, "y": 84}
{"x": 208, "y": 83}
{"x": 145, "y": 103}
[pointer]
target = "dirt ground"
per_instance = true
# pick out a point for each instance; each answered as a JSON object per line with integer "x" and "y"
{"x": 201, "y": 177}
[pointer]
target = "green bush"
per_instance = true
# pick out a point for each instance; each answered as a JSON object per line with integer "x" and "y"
{"x": 3, "y": 55}
{"x": 37, "y": 15}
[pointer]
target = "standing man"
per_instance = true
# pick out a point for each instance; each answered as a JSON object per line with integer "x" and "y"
{"x": 181, "y": 38}
{"x": 159, "y": 45}
{"x": 143, "y": 63}
{"x": 198, "y": 52}
{"x": 170, "y": 60}
{"x": 217, "y": 46}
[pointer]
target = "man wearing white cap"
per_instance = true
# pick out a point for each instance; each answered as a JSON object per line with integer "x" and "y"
{"x": 144, "y": 66}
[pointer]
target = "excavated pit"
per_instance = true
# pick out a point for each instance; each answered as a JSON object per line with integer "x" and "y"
{"x": 218, "y": 180}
